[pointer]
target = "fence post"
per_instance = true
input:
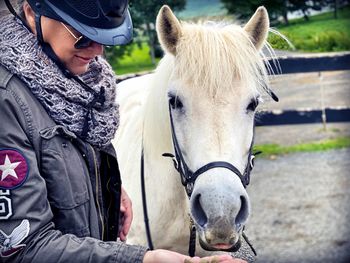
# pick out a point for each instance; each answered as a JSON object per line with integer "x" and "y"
{"x": 324, "y": 116}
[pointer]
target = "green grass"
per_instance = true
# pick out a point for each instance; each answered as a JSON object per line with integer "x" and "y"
{"x": 322, "y": 33}
{"x": 324, "y": 145}
{"x": 138, "y": 61}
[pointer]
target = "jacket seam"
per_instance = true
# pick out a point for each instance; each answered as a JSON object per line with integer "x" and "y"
{"x": 26, "y": 113}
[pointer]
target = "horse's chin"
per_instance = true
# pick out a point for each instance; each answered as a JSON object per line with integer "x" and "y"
{"x": 221, "y": 246}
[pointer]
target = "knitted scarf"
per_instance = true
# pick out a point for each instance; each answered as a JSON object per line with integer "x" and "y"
{"x": 66, "y": 101}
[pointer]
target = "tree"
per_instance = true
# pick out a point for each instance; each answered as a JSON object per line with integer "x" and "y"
{"x": 115, "y": 53}
{"x": 305, "y": 6}
{"x": 243, "y": 9}
{"x": 144, "y": 13}
{"x": 277, "y": 8}
{"x": 335, "y": 4}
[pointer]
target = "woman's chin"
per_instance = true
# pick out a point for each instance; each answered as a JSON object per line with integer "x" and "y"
{"x": 78, "y": 70}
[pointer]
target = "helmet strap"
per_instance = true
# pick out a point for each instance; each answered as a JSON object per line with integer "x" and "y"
{"x": 10, "y": 8}
{"x": 39, "y": 31}
{"x": 47, "y": 47}
{"x": 13, "y": 11}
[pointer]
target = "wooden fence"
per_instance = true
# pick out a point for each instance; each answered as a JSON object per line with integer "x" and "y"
{"x": 301, "y": 64}
{"x": 307, "y": 64}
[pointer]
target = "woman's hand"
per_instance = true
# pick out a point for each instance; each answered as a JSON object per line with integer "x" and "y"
{"x": 166, "y": 256}
{"x": 126, "y": 215}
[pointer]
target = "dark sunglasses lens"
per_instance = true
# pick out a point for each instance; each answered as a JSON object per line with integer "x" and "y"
{"x": 84, "y": 42}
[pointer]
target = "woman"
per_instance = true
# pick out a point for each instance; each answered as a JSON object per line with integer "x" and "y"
{"x": 60, "y": 189}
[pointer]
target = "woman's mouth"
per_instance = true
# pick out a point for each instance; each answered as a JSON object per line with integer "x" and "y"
{"x": 83, "y": 60}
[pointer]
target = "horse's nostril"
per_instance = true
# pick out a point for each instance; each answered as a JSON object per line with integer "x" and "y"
{"x": 198, "y": 213}
{"x": 243, "y": 213}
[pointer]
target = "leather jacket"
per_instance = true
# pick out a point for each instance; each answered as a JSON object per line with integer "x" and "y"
{"x": 59, "y": 197}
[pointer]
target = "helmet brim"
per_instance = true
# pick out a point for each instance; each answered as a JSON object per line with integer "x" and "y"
{"x": 120, "y": 35}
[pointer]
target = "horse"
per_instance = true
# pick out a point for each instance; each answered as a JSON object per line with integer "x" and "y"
{"x": 198, "y": 108}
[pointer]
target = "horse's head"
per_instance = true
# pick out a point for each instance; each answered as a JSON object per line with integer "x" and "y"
{"x": 214, "y": 88}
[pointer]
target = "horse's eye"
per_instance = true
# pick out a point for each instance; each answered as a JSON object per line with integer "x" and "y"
{"x": 253, "y": 104}
{"x": 175, "y": 102}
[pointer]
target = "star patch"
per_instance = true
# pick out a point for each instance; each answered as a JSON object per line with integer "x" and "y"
{"x": 13, "y": 169}
{"x": 10, "y": 244}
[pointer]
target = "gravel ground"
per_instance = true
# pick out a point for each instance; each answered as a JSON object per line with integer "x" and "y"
{"x": 301, "y": 201}
{"x": 300, "y": 208}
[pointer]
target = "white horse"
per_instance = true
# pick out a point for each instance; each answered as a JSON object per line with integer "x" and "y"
{"x": 209, "y": 83}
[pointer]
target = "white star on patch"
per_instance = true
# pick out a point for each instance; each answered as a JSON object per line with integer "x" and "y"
{"x": 8, "y": 168}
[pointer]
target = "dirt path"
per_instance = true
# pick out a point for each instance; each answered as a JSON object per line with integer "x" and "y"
{"x": 301, "y": 207}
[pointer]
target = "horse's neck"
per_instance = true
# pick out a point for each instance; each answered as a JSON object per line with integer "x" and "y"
{"x": 157, "y": 134}
{"x": 156, "y": 126}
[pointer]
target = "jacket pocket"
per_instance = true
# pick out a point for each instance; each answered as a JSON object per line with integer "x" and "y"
{"x": 66, "y": 176}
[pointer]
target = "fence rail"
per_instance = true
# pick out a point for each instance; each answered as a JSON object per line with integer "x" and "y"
{"x": 311, "y": 63}
{"x": 307, "y": 64}
{"x": 300, "y": 64}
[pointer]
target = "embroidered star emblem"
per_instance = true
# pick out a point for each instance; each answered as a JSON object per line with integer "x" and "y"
{"x": 8, "y": 168}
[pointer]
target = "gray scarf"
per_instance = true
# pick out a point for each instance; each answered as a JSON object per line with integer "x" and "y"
{"x": 66, "y": 101}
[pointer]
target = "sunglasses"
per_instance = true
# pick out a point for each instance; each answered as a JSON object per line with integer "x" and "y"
{"x": 80, "y": 42}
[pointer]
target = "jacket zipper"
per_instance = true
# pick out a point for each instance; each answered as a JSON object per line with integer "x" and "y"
{"x": 97, "y": 192}
{"x": 108, "y": 188}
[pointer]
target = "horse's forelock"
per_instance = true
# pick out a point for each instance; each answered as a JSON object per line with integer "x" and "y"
{"x": 213, "y": 57}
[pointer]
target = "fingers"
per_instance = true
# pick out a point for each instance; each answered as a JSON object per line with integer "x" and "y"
{"x": 162, "y": 256}
{"x": 127, "y": 215}
{"x": 126, "y": 227}
{"x": 214, "y": 259}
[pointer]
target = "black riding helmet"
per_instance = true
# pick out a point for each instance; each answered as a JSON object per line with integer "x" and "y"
{"x": 106, "y": 22}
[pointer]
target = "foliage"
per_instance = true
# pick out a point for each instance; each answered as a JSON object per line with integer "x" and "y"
{"x": 116, "y": 53}
{"x": 324, "y": 145}
{"x": 279, "y": 8}
{"x": 305, "y": 6}
{"x": 138, "y": 61}
{"x": 144, "y": 13}
{"x": 321, "y": 34}
{"x": 245, "y": 8}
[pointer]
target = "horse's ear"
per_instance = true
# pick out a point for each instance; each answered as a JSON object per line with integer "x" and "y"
{"x": 258, "y": 27}
{"x": 168, "y": 29}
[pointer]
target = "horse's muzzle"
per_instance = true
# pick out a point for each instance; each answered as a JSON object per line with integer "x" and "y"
{"x": 221, "y": 247}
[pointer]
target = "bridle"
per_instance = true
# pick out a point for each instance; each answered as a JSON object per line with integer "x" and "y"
{"x": 188, "y": 179}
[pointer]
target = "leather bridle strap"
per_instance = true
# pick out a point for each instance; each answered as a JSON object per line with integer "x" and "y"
{"x": 188, "y": 177}
{"x": 144, "y": 203}
{"x": 212, "y": 165}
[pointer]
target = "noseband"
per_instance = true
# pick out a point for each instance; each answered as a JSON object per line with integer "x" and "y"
{"x": 188, "y": 179}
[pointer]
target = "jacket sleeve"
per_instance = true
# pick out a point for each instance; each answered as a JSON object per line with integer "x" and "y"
{"x": 27, "y": 233}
